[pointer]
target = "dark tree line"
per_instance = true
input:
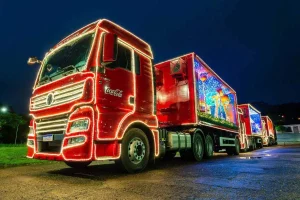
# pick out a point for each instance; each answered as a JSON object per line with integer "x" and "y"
{"x": 13, "y": 127}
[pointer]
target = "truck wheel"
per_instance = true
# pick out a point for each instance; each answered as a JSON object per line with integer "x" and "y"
{"x": 197, "y": 151}
{"x": 169, "y": 155}
{"x": 209, "y": 147}
{"x": 229, "y": 151}
{"x": 78, "y": 165}
{"x": 135, "y": 151}
{"x": 246, "y": 147}
{"x": 236, "y": 149}
{"x": 254, "y": 145}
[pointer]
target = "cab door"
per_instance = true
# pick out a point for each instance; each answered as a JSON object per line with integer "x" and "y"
{"x": 116, "y": 91}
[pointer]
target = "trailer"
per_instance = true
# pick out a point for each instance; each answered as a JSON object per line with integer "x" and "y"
{"x": 193, "y": 100}
{"x": 251, "y": 120}
{"x": 107, "y": 101}
{"x": 268, "y": 131}
{"x": 242, "y": 131}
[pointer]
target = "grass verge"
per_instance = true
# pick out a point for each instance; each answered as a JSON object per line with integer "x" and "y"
{"x": 15, "y": 155}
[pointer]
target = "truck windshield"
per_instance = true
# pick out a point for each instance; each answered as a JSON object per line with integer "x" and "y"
{"x": 70, "y": 58}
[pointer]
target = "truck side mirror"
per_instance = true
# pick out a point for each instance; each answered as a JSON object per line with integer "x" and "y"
{"x": 110, "y": 47}
{"x": 33, "y": 60}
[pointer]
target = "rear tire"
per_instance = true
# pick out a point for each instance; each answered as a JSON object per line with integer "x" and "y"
{"x": 234, "y": 150}
{"x": 229, "y": 151}
{"x": 209, "y": 147}
{"x": 135, "y": 151}
{"x": 197, "y": 151}
{"x": 78, "y": 165}
{"x": 246, "y": 147}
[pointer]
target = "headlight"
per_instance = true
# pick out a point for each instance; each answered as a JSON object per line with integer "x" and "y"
{"x": 76, "y": 140}
{"x": 79, "y": 125}
{"x": 30, "y": 133}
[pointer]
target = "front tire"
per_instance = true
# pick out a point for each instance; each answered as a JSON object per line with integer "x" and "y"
{"x": 135, "y": 151}
{"x": 78, "y": 165}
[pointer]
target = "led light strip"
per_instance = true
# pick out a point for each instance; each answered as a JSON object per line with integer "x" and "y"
{"x": 214, "y": 73}
{"x": 67, "y": 112}
{"x": 134, "y": 109}
{"x": 75, "y": 85}
{"x": 215, "y": 126}
{"x": 65, "y": 138}
{"x": 76, "y": 145}
{"x": 47, "y": 55}
{"x": 149, "y": 47}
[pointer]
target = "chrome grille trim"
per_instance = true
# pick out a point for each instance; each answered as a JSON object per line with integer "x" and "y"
{"x": 51, "y": 125}
{"x": 61, "y": 95}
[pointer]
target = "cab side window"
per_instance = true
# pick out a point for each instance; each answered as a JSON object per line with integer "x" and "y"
{"x": 123, "y": 58}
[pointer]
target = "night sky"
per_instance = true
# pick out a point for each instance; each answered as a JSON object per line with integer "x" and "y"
{"x": 253, "y": 45}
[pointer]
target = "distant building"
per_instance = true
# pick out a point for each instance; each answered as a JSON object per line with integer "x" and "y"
{"x": 294, "y": 128}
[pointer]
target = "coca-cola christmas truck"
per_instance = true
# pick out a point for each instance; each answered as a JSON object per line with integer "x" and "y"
{"x": 268, "y": 131}
{"x": 251, "y": 127}
{"x": 95, "y": 98}
{"x": 242, "y": 131}
{"x": 195, "y": 105}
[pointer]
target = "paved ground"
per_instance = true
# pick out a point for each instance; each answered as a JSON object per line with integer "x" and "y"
{"x": 268, "y": 173}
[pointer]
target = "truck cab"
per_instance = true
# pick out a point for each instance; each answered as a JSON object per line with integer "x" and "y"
{"x": 93, "y": 89}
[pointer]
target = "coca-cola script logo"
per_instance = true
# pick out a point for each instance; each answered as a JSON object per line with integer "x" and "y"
{"x": 117, "y": 92}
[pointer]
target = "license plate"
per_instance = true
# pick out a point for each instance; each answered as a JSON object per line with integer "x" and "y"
{"x": 47, "y": 138}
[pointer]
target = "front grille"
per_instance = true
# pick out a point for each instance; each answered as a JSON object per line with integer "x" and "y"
{"x": 60, "y": 96}
{"x": 51, "y": 125}
{"x": 56, "y": 128}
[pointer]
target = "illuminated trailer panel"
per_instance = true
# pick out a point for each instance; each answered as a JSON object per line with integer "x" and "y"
{"x": 252, "y": 118}
{"x": 190, "y": 92}
{"x": 269, "y": 126}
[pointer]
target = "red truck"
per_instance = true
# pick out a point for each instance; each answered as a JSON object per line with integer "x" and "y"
{"x": 251, "y": 134}
{"x": 268, "y": 131}
{"x": 98, "y": 96}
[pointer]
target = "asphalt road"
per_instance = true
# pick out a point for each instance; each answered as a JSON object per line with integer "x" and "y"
{"x": 268, "y": 173}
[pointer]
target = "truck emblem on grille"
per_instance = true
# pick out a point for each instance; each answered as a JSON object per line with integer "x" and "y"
{"x": 117, "y": 92}
{"x": 50, "y": 99}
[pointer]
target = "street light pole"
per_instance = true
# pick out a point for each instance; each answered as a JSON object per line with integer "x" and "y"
{"x": 16, "y": 134}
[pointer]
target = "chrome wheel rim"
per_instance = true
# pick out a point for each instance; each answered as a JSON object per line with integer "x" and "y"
{"x": 136, "y": 150}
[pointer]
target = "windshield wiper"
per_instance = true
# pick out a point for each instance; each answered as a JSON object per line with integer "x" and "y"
{"x": 45, "y": 79}
{"x": 68, "y": 71}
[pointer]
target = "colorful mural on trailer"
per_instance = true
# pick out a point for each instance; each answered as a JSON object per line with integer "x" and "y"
{"x": 255, "y": 120}
{"x": 215, "y": 101}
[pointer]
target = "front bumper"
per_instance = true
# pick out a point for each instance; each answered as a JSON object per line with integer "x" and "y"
{"x": 58, "y": 148}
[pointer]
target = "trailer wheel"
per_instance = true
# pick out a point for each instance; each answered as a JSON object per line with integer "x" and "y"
{"x": 246, "y": 146}
{"x": 229, "y": 151}
{"x": 209, "y": 147}
{"x": 135, "y": 151}
{"x": 78, "y": 165}
{"x": 197, "y": 151}
{"x": 254, "y": 145}
{"x": 236, "y": 149}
